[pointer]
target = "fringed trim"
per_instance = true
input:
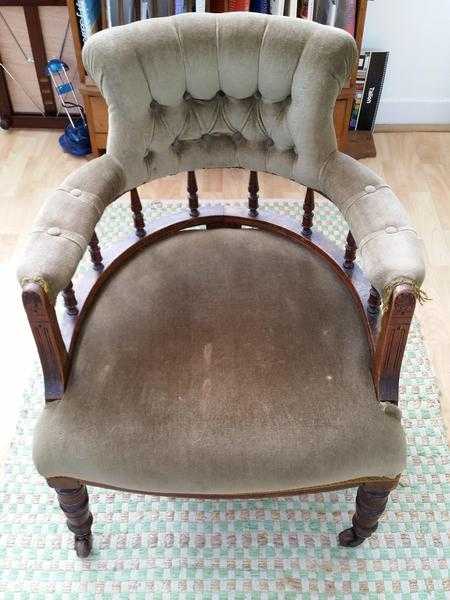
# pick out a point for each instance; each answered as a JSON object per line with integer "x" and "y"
{"x": 39, "y": 280}
{"x": 420, "y": 295}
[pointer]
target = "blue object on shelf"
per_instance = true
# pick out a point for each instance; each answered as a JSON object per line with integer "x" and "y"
{"x": 64, "y": 88}
{"x": 56, "y": 66}
{"x": 75, "y": 139}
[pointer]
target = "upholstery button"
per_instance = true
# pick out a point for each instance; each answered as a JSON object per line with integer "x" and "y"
{"x": 237, "y": 136}
{"x": 370, "y": 188}
{"x": 187, "y": 96}
{"x": 391, "y": 229}
{"x": 269, "y": 142}
{"x": 76, "y": 192}
{"x": 221, "y": 93}
{"x": 54, "y": 231}
{"x": 257, "y": 95}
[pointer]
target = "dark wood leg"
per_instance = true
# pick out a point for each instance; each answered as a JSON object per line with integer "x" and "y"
{"x": 308, "y": 213}
{"x": 192, "y": 190}
{"x": 138, "y": 217}
{"x": 70, "y": 301}
{"x": 74, "y": 502}
{"x": 350, "y": 252}
{"x": 253, "y": 198}
{"x": 371, "y": 500}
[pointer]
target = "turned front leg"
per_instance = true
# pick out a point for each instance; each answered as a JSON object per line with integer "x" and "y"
{"x": 371, "y": 500}
{"x": 74, "y": 502}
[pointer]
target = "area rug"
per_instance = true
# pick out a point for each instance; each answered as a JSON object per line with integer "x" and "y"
{"x": 160, "y": 548}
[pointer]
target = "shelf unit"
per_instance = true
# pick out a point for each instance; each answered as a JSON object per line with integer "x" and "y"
{"x": 357, "y": 144}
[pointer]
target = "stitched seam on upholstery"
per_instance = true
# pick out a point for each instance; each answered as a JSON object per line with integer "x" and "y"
{"x": 141, "y": 66}
{"x": 169, "y": 131}
{"x": 225, "y": 118}
{"x": 217, "y": 50}
{"x": 152, "y": 133}
{"x": 260, "y": 120}
{"x": 259, "y": 54}
{"x": 248, "y": 115}
{"x": 324, "y": 166}
{"x": 292, "y": 84}
{"x": 86, "y": 198}
{"x": 376, "y": 234}
{"x": 67, "y": 235}
{"x": 200, "y": 124}
{"x": 181, "y": 52}
{"x": 215, "y": 118}
{"x": 347, "y": 204}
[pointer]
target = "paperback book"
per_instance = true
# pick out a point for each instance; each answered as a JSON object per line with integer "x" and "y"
{"x": 369, "y": 86}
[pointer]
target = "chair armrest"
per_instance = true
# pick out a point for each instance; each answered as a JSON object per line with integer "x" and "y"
{"x": 66, "y": 222}
{"x": 389, "y": 247}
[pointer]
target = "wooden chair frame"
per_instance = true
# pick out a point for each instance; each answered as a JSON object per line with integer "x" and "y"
{"x": 386, "y": 332}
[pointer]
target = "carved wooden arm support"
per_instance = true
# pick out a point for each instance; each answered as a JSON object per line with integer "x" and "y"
{"x": 391, "y": 342}
{"x": 52, "y": 352}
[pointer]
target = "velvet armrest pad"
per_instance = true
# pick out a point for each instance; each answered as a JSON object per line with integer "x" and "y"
{"x": 389, "y": 247}
{"x": 65, "y": 224}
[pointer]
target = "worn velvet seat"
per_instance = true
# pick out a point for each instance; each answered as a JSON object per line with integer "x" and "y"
{"x": 247, "y": 386}
{"x": 249, "y": 358}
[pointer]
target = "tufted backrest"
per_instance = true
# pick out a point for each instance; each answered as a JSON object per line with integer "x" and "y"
{"x": 220, "y": 90}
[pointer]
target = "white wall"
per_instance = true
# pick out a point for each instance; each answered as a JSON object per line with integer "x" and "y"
{"x": 417, "y": 34}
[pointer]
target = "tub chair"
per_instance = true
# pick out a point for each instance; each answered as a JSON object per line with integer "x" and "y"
{"x": 221, "y": 352}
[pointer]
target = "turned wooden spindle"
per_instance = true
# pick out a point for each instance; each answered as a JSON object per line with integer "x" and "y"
{"x": 308, "y": 212}
{"x": 253, "y": 198}
{"x": 96, "y": 255}
{"x": 373, "y": 302}
{"x": 350, "y": 252}
{"x": 192, "y": 190}
{"x": 138, "y": 217}
{"x": 70, "y": 301}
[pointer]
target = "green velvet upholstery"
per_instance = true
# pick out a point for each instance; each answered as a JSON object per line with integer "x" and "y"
{"x": 222, "y": 90}
{"x": 221, "y": 362}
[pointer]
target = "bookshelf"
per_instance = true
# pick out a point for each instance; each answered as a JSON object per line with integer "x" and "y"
{"x": 357, "y": 144}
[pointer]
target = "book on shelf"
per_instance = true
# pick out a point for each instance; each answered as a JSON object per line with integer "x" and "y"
{"x": 91, "y": 13}
{"x": 277, "y": 7}
{"x": 337, "y": 13}
{"x": 305, "y": 9}
{"x": 219, "y": 6}
{"x": 372, "y": 66}
{"x": 261, "y": 6}
{"x": 89, "y": 17}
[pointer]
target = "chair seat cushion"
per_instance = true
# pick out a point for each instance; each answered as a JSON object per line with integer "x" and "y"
{"x": 227, "y": 361}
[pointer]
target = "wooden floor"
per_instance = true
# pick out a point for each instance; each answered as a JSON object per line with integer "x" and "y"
{"x": 416, "y": 165}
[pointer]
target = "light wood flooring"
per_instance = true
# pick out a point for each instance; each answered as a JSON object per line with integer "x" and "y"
{"x": 415, "y": 164}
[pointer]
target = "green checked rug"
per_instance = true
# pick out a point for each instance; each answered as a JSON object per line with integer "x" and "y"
{"x": 154, "y": 548}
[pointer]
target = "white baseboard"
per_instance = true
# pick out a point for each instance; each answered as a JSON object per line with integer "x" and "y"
{"x": 407, "y": 127}
{"x": 407, "y": 111}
